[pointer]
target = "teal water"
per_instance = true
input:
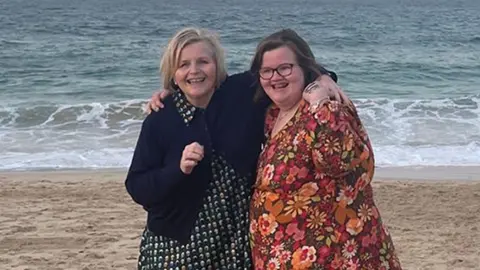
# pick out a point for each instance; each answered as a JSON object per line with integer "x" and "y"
{"x": 73, "y": 74}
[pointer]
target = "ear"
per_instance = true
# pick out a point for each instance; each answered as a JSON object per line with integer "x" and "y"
{"x": 174, "y": 84}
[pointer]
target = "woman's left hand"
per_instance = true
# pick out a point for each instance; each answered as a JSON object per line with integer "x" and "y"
{"x": 323, "y": 90}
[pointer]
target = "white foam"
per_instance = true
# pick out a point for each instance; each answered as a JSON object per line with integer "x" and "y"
{"x": 64, "y": 159}
{"x": 398, "y": 156}
{"x": 442, "y": 132}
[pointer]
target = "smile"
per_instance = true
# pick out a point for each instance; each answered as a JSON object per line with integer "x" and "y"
{"x": 196, "y": 80}
{"x": 279, "y": 85}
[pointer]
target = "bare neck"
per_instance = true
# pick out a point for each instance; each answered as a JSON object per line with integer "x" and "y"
{"x": 286, "y": 108}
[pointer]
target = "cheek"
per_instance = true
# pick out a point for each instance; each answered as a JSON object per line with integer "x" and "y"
{"x": 264, "y": 83}
{"x": 178, "y": 76}
{"x": 298, "y": 81}
{"x": 212, "y": 71}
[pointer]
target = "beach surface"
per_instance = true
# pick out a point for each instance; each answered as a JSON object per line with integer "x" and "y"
{"x": 86, "y": 220}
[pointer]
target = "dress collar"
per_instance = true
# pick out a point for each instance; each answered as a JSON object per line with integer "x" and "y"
{"x": 185, "y": 108}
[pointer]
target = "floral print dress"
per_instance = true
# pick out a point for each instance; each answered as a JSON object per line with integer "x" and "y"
{"x": 313, "y": 205}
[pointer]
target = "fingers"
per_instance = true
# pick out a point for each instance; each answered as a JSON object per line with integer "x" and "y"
{"x": 191, "y": 156}
{"x": 197, "y": 147}
{"x": 162, "y": 96}
{"x": 157, "y": 105}
{"x": 155, "y": 102}
{"x": 318, "y": 104}
{"x": 164, "y": 93}
{"x": 322, "y": 102}
{"x": 193, "y": 151}
{"x": 190, "y": 164}
{"x": 309, "y": 88}
{"x": 195, "y": 156}
{"x": 146, "y": 108}
{"x": 187, "y": 166}
{"x": 321, "y": 91}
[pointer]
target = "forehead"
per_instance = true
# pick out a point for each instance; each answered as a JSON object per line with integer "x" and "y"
{"x": 278, "y": 56}
{"x": 194, "y": 50}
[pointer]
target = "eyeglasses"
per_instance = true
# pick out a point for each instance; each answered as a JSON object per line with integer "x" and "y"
{"x": 282, "y": 70}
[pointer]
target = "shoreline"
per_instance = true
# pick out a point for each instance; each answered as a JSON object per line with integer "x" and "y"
{"x": 413, "y": 173}
{"x": 428, "y": 173}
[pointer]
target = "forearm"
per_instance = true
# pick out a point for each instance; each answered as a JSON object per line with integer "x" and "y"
{"x": 150, "y": 187}
{"x": 151, "y": 177}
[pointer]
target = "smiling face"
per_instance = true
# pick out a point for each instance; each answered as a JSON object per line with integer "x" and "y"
{"x": 284, "y": 90}
{"x": 196, "y": 73}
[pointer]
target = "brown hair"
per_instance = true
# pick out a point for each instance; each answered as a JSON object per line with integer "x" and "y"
{"x": 183, "y": 38}
{"x": 303, "y": 53}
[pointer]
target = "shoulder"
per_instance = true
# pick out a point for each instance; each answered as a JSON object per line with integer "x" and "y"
{"x": 242, "y": 79}
{"x": 239, "y": 87}
{"x": 339, "y": 118}
{"x": 328, "y": 112}
{"x": 157, "y": 117}
{"x": 332, "y": 116}
{"x": 333, "y": 111}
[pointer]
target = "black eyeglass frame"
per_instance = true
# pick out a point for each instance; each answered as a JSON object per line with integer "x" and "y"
{"x": 289, "y": 71}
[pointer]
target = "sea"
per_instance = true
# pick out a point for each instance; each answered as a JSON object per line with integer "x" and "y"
{"x": 74, "y": 75}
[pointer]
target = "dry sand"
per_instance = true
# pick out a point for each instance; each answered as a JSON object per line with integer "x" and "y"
{"x": 86, "y": 220}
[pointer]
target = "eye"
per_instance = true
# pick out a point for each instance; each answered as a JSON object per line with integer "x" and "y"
{"x": 265, "y": 70}
{"x": 283, "y": 68}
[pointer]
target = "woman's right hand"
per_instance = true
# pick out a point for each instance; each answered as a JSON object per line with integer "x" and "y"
{"x": 191, "y": 156}
{"x": 155, "y": 103}
{"x": 322, "y": 90}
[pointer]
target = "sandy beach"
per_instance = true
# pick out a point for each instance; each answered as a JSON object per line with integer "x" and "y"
{"x": 86, "y": 220}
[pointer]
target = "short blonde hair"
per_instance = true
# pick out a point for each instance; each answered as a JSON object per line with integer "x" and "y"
{"x": 183, "y": 38}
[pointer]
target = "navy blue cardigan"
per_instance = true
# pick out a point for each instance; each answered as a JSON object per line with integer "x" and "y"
{"x": 232, "y": 124}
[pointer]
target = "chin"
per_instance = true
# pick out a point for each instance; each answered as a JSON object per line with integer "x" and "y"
{"x": 278, "y": 101}
{"x": 278, "y": 98}
{"x": 198, "y": 92}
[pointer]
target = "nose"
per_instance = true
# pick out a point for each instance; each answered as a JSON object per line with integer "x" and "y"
{"x": 194, "y": 68}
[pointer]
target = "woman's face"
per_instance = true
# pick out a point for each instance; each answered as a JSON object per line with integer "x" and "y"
{"x": 196, "y": 73}
{"x": 281, "y": 77}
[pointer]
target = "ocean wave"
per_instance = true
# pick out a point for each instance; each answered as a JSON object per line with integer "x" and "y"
{"x": 101, "y": 115}
{"x": 102, "y": 135}
{"x": 14, "y": 42}
{"x": 447, "y": 121}
{"x": 461, "y": 109}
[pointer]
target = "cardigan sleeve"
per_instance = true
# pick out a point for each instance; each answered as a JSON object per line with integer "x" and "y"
{"x": 151, "y": 178}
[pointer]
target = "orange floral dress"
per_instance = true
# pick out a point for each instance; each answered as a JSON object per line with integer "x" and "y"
{"x": 313, "y": 205}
